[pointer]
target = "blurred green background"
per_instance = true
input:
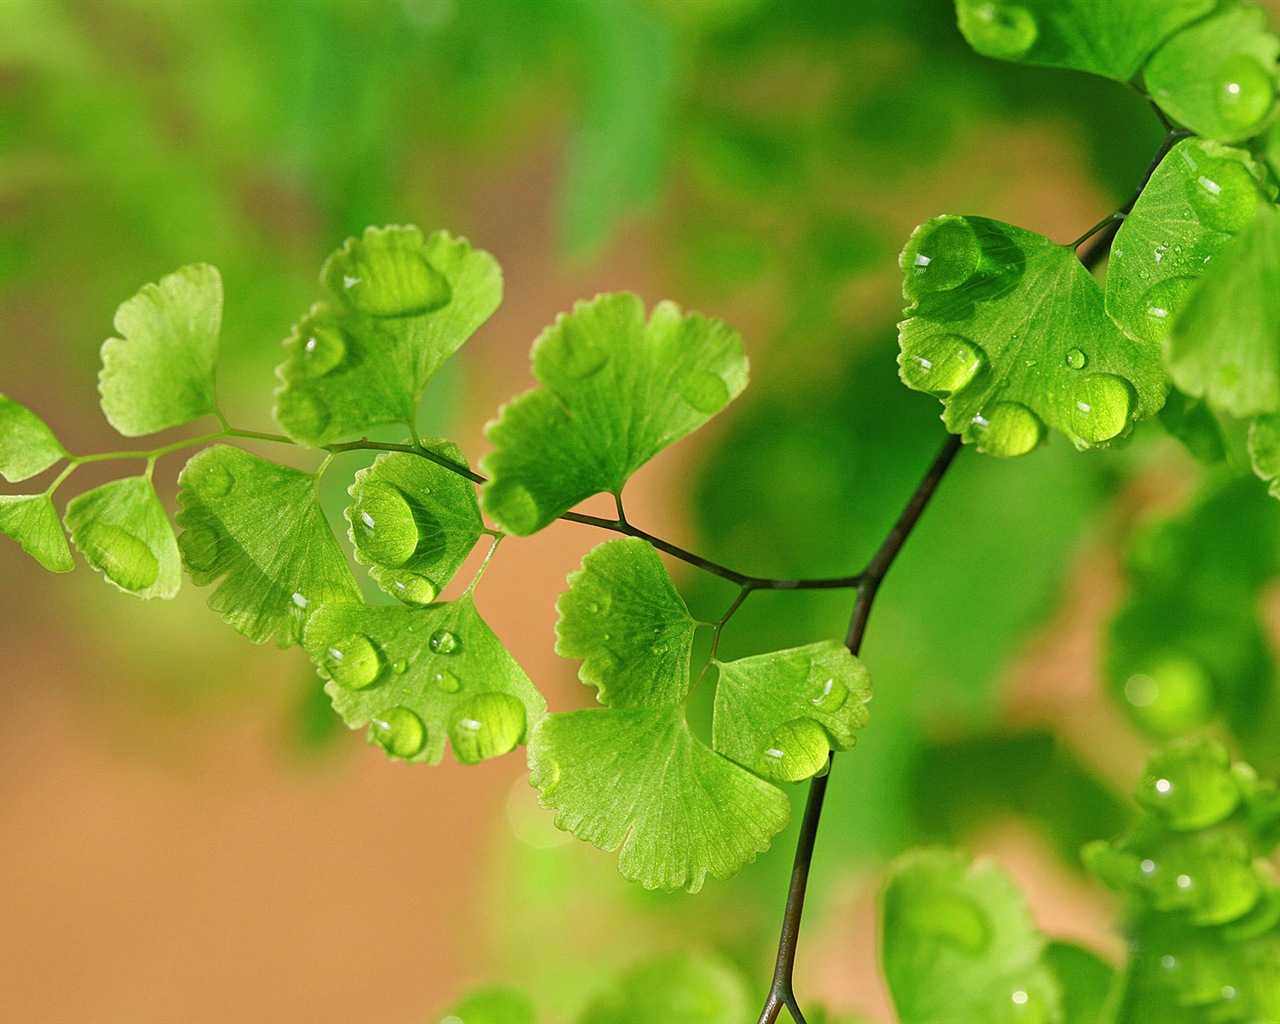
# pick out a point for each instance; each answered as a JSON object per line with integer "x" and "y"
{"x": 189, "y": 833}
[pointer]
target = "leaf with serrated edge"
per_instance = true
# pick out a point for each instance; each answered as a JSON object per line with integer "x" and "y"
{"x": 160, "y": 372}
{"x": 1105, "y": 37}
{"x": 1218, "y": 76}
{"x": 1225, "y": 343}
{"x": 32, "y": 521}
{"x": 363, "y": 358}
{"x": 624, "y": 618}
{"x": 1009, "y": 330}
{"x": 958, "y": 943}
{"x": 27, "y": 445}
{"x": 770, "y": 706}
{"x": 413, "y": 522}
{"x": 1264, "y": 450}
{"x": 638, "y": 780}
{"x": 124, "y": 532}
{"x": 256, "y": 526}
{"x": 616, "y": 390}
{"x": 684, "y": 986}
{"x": 1199, "y": 198}
{"x": 441, "y": 663}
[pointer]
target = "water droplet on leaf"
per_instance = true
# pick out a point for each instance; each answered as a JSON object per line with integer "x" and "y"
{"x": 414, "y": 589}
{"x": 942, "y": 364}
{"x": 705, "y": 391}
{"x": 302, "y": 413}
{"x": 383, "y": 524}
{"x": 445, "y": 641}
{"x": 354, "y": 662}
{"x": 1008, "y": 429}
{"x": 1101, "y": 407}
{"x": 218, "y": 481}
{"x": 487, "y": 725}
{"x": 1076, "y": 359}
{"x": 797, "y": 751}
{"x": 122, "y": 557}
{"x": 387, "y": 280}
{"x": 1224, "y": 194}
{"x": 399, "y": 732}
{"x": 999, "y": 29}
{"x": 1190, "y": 785}
{"x": 941, "y": 256}
{"x": 831, "y": 696}
{"x": 447, "y": 681}
{"x": 323, "y": 350}
{"x": 1159, "y": 305}
{"x": 1245, "y": 93}
{"x": 199, "y": 548}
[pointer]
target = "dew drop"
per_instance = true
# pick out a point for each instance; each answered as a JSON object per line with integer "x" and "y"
{"x": 413, "y": 589}
{"x": 1076, "y": 359}
{"x": 487, "y": 725}
{"x": 399, "y": 732}
{"x": 217, "y": 481}
{"x": 199, "y": 548}
{"x": 578, "y": 356}
{"x": 447, "y": 681}
{"x": 399, "y": 667}
{"x": 387, "y": 278}
{"x": 831, "y": 696}
{"x": 123, "y": 558}
{"x": 942, "y": 364}
{"x": 1223, "y": 194}
{"x": 943, "y": 254}
{"x": 445, "y": 641}
{"x": 354, "y": 662}
{"x": 302, "y": 413}
{"x": 1008, "y": 429}
{"x": 797, "y": 751}
{"x": 383, "y": 524}
{"x": 1245, "y": 93}
{"x": 1159, "y": 305}
{"x": 705, "y": 391}
{"x": 999, "y": 29}
{"x": 1101, "y": 407}
{"x": 1190, "y": 785}
{"x": 323, "y": 350}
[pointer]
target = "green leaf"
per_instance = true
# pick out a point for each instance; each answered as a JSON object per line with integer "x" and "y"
{"x": 1193, "y": 423}
{"x": 257, "y": 527}
{"x": 633, "y": 776}
{"x": 1105, "y": 37}
{"x": 124, "y": 532}
{"x": 958, "y": 944}
{"x": 1225, "y": 344}
{"x": 399, "y": 307}
{"x": 492, "y": 1004}
{"x": 160, "y": 372}
{"x": 1218, "y": 77}
{"x": 413, "y": 522}
{"x": 638, "y": 780}
{"x": 616, "y": 391}
{"x": 1084, "y": 979}
{"x": 1199, "y": 198}
{"x": 624, "y": 618}
{"x": 779, "y": 714}
{"x": 27, "y": 446}
{"x": 677, "y": 988}
{"x": 1009, "y": 330}
{"x": 419, "y": 676}
{"x": 31, "y": 520}
{"x": 1190, "y": 785}
{"x": 1264, "y": 450}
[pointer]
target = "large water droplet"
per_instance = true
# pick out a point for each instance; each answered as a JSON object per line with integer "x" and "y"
{"x": 447, "y": 681}
{"x": 941, "y": 255}
{"x": 217, "y": 481}
{"x": 383, "y": 524}
{"x": 797, "y": 751}
{"x": 445, "y": 641}
{"x": 354, "y": 662}
{"x": 302, "y": 413}
{"x": 387, "y": 278}
{"x": 1160, "y": 305}
{"x": 1101, "y": 407}
{"x": 1076, "y": 359}
{"x": 399, "y": 732}
{"x": 323, "y": 348}
{"x": 487, "y": 725}
{"x": 1008, "y": 429}
{"x": 705, "y": 391}
{"x": 998, "y": 28}
{"x": 831, "y": 695}
{"x": 1245, "y": 93}
{"x": 123, "y": 558}
{"x": 942, "y": 364}
{"x": 1223, "y": 194}
{"x": 1190, "y": 785}
{"x": 412, "y": 588}
{"x": 199, "y": 548}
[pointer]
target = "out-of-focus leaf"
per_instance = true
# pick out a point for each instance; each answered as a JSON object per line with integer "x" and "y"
{"x": 678, "y": 988}
{"x": 32, "y": 521}
{"x": 27, "y": 445}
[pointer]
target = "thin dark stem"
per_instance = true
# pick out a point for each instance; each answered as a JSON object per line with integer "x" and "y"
{"x": 782, "y": 992}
